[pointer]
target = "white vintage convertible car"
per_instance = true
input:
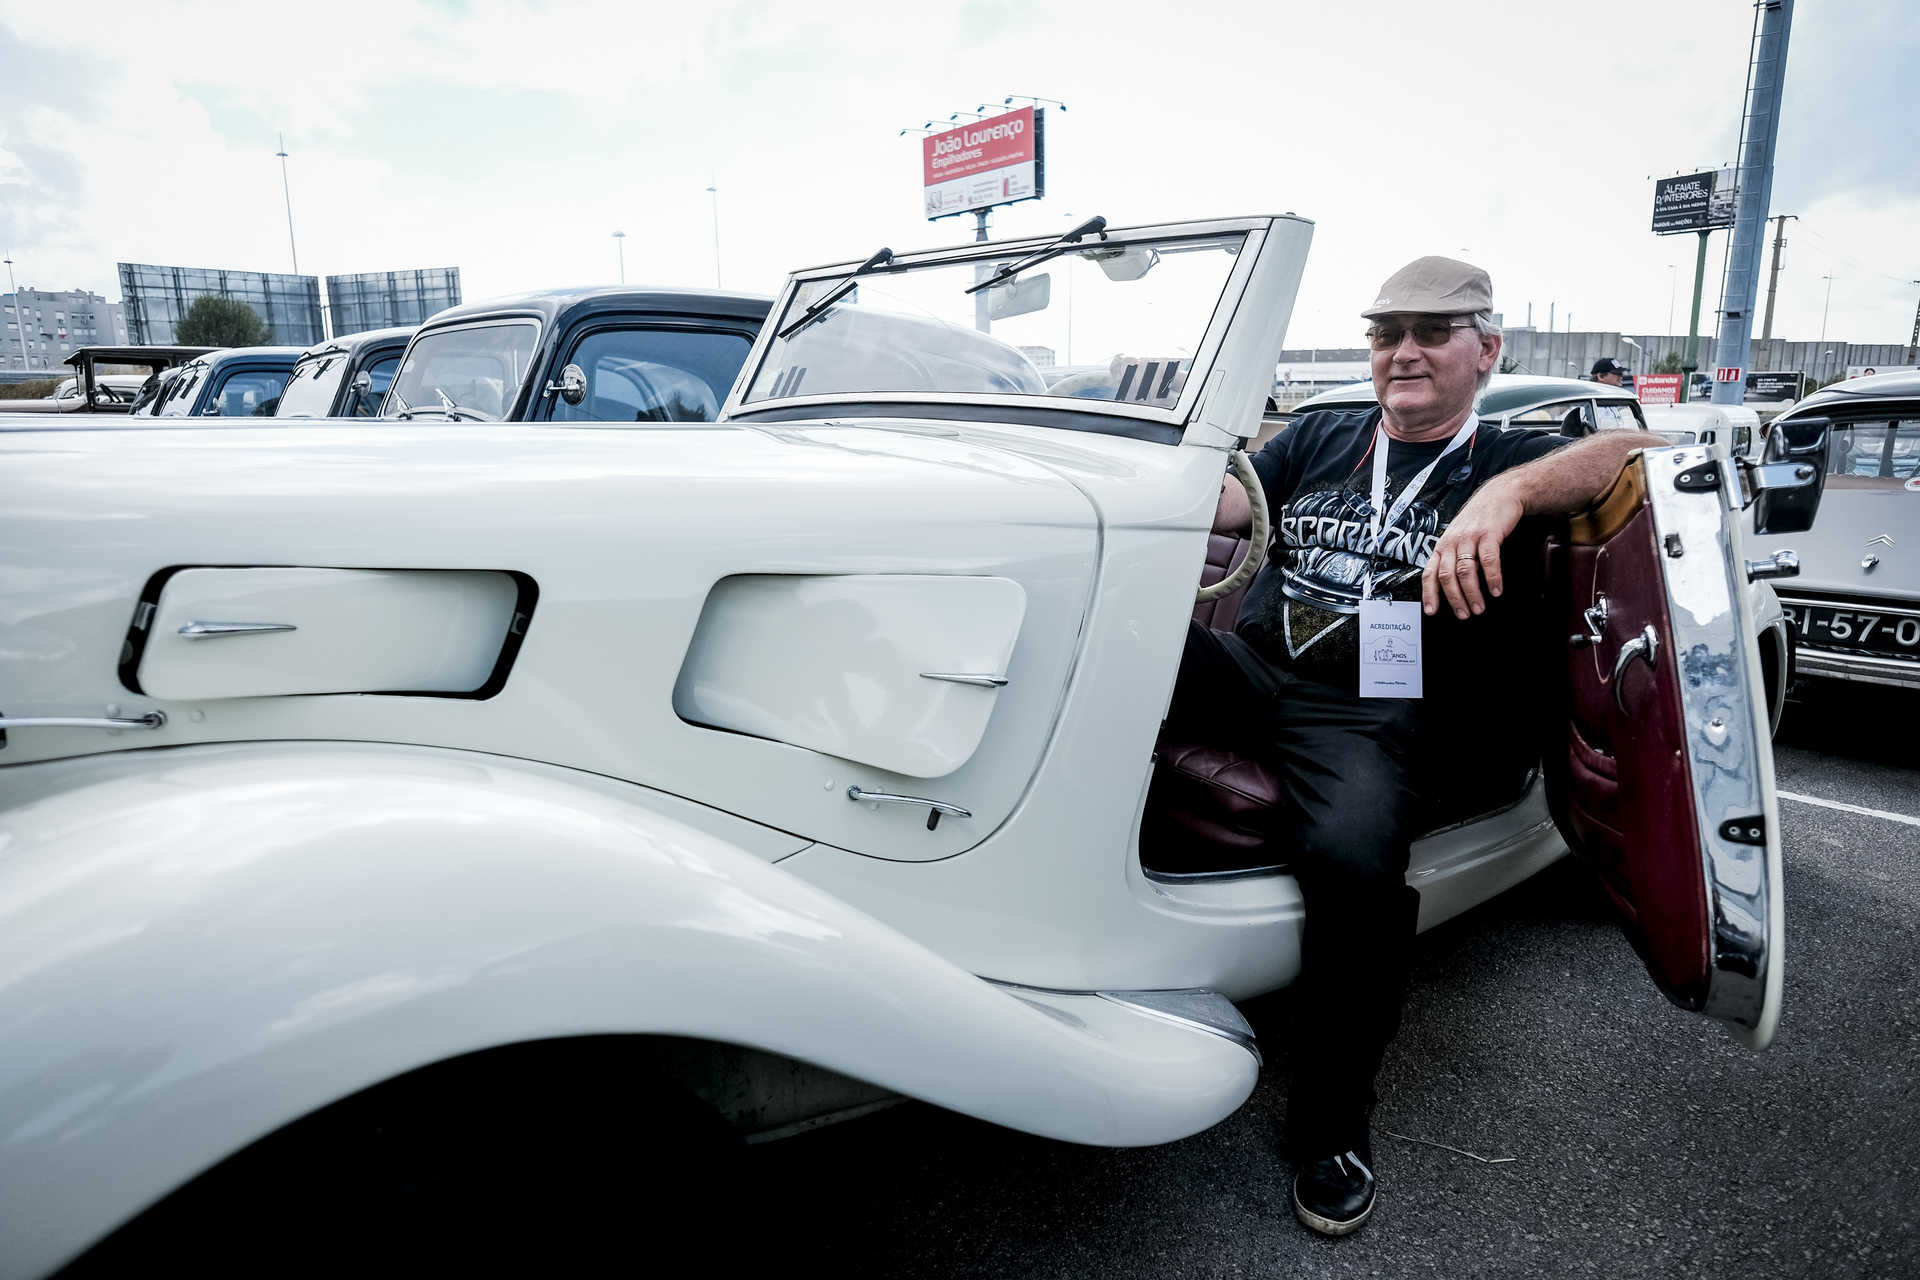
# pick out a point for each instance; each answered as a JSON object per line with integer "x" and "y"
{"x": 802, "y": 757}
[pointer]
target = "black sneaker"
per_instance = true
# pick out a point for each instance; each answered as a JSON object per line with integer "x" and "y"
{"x": 1333, "y": 1195}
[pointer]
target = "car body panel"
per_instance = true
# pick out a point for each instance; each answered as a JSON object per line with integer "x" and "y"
{"x": 281, "y": 999}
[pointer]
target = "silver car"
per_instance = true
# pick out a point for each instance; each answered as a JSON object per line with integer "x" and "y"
{"x": 1856, "y": 604}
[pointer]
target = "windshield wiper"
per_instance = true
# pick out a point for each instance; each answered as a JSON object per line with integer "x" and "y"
{"x": 818, "y": 308}
{"x": 1054, "y": 250}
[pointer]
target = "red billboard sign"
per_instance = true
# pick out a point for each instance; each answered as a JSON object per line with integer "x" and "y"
{"x": 1658, "y": 388}
{"x": 997, "y": 160}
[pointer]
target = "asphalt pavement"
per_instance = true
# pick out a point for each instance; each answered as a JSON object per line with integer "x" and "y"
{"x": 1632, "y": 1139}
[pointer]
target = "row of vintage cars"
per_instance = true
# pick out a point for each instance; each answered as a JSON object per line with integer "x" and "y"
{"x": 685, "y": 704}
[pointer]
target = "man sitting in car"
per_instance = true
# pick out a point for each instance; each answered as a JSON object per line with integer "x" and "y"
{"x": 1388, "y": 526}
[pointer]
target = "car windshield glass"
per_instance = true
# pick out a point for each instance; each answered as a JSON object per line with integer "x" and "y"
{"x": 176, "y": 398}
{"x": 477, "y": 368}
{"x": 1103, "y": 322}
{"x": 310, "y": 389}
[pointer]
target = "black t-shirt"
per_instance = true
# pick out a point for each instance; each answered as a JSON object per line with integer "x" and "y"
{"x": 1300, "y": 613}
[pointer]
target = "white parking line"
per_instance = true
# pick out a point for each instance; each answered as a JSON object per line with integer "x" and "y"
{"x": 1849, "y": 808}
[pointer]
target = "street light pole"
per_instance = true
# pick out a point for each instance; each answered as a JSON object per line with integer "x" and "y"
{"x": 1913, "y": 343}
{"x": 287, "y": 191}
{"x": 1826, "y": 307}
{"x": 713, "y": 189}
{"x": 620, "y": 243}
{"x": 19, "y": 315}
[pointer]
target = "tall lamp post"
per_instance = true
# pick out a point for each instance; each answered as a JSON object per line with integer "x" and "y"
{"x": 620, "y": 243}
{"x": 713, "y": 189}
{"x": 287, "y": 191}
{"x": 1636, "y": 346}
{"x": 19, "y": 315}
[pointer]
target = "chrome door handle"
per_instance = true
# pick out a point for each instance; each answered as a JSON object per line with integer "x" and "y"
{"x": 151, "y": 720}
{"x": 965, "y": 677}
{"x": 934, "y": 807}
{"x": 202, "y": 630}
{"x": 1646, "y": 647}
{"x": 1781, "y": 564}
{"x": 1596, "y": 617}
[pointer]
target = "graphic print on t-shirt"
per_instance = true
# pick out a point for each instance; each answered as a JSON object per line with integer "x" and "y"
{"x": 1321, "y": 542}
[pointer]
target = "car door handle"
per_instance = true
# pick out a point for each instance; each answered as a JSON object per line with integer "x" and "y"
{"x": 934, "y": 807}
{"x": 1781, "y": 564}
{"x": 1645, "y": 646}
{"x": 203, "y": 630}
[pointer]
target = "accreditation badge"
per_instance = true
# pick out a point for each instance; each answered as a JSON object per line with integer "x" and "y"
{"x": 1390, "y": 648}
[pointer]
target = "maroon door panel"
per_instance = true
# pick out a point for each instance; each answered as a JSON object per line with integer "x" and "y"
{"x": 1619, "y": 777}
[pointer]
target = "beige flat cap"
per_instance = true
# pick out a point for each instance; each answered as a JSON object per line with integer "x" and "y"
{"x": 1434, "y": 286}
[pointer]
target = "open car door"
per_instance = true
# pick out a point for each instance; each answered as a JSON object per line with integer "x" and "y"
{"x": 1660, "y": 772}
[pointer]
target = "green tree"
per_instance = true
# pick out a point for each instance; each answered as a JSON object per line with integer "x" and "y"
{"x": 1669, "y": 363}
{"x": 221, "y": 322}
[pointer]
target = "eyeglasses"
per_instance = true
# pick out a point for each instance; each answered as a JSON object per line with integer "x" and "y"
{"x": 1435, "y": 332}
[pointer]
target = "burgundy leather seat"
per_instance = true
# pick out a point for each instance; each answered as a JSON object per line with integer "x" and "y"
{"x": 1211, "y": 809}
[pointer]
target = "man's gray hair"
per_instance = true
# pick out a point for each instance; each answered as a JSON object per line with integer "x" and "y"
{"x": 1484, "y": 326}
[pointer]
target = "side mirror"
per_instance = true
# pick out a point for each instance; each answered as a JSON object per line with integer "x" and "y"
{"x": 362, "y": 383}
{"x": 1019, "y": 297}
{"x": 572, "y": 385}
{"x": 1792, "y": 475}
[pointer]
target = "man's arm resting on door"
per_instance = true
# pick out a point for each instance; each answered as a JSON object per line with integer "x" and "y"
{"x": 1565, "y": 481}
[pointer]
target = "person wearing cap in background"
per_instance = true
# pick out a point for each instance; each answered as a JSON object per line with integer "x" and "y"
{"x": 1383, "y": 584}
{"x": 1610, "y": 371}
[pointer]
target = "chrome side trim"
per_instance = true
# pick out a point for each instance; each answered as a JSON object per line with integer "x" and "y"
{"x": 956, "y": 677}
{"x": 1728, "y": 749}
{"x": 203, "y": 630}
{"x": 1196, "y": 1007}
{"x": 1858, "y": 667}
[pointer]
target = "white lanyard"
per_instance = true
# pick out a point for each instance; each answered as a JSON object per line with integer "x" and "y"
{"x": 1407, "y": 495}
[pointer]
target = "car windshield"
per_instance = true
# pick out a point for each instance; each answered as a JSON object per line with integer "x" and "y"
{"x": 1106, "y": 322}
{"x": 310, "y": 389}
{"x": 474, "y": 368}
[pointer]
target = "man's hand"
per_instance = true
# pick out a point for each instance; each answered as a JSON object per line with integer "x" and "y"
{"x": 1470, "y": 548}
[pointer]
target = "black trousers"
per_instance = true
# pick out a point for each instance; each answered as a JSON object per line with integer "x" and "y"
{"x": 1346, "y": 768}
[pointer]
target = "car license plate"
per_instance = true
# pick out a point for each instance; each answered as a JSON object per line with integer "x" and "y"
{"x": 1867, "y": 631}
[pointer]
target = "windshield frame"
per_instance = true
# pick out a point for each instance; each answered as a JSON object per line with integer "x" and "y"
{"x": 1020, "y": 407}
{"x": 514, "y": 401}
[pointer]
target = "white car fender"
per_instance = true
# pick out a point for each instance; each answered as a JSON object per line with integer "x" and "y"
{"x": 200, "y": 945}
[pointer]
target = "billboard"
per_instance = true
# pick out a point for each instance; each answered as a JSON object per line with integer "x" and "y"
{"x": 999, "y": 160}
{"x": 1776, "y": 385}
{"x": 157, "y": 298}
{"x": 390, "y": 299}
{"x": 1693, "y": 202}
{"x": 1658, "y": 388}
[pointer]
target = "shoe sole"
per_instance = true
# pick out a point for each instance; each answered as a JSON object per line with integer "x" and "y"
{"x": 1329, "y": 1226}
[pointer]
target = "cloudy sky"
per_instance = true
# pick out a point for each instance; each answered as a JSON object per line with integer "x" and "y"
{"x": 511, "y": 138}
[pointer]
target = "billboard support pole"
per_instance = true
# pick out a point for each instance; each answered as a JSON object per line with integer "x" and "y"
{"x": 1692, "y": 361}
{"x": 981, "y": 320}
{"x": 1766, "y": 81}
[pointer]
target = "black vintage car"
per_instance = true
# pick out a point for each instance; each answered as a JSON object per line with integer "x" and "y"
{"x": 233, "y": 382}
{"x": 579, "y": 355}
{"x": 344, "y": 377}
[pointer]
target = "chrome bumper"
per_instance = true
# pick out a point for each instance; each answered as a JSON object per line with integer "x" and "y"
{"x": 1851, "y": 666}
